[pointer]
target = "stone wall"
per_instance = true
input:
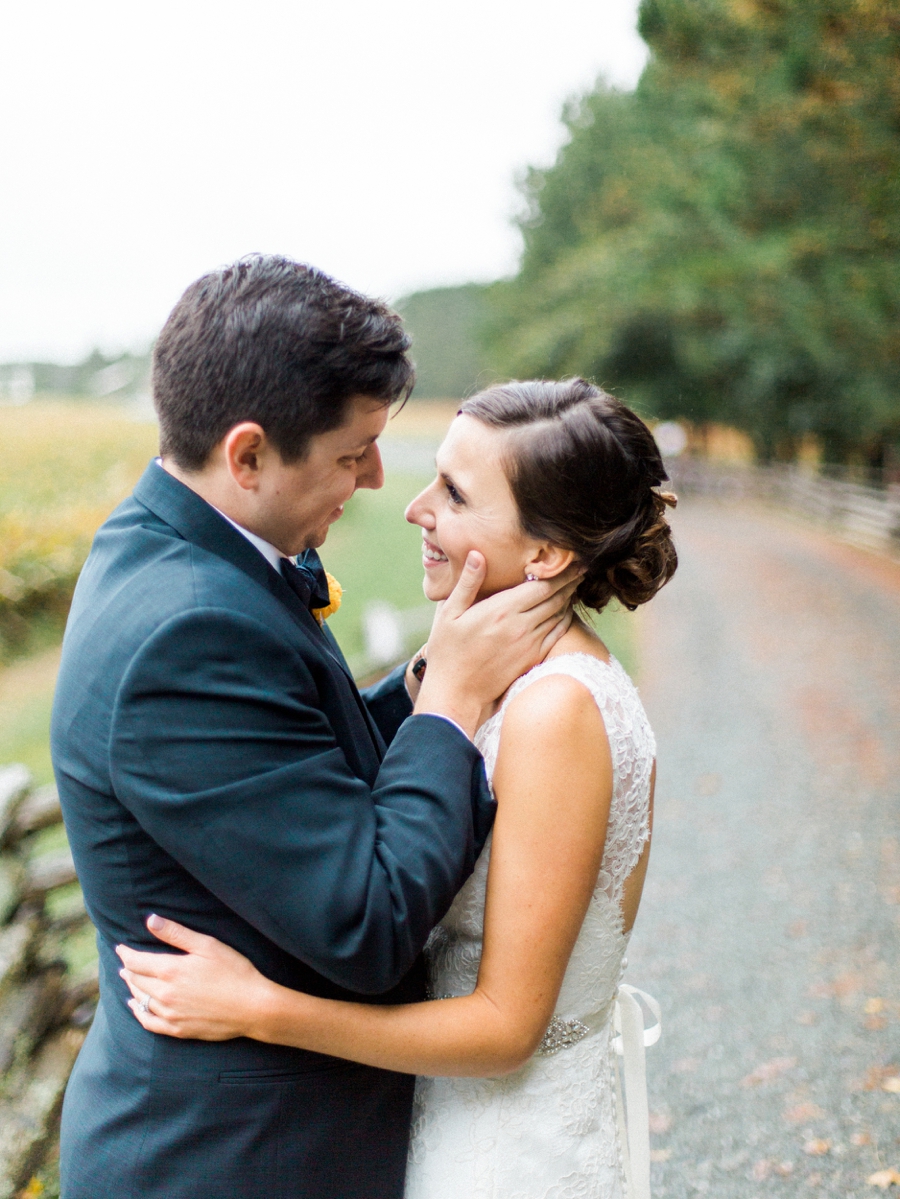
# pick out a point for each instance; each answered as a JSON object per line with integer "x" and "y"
{"x": 46, "y": 1003}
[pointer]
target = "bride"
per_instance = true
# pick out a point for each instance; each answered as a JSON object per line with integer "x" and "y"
{"x": 516, "y": 1097}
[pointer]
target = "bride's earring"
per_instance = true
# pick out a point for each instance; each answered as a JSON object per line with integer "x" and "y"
{"x": 531, "y": 578}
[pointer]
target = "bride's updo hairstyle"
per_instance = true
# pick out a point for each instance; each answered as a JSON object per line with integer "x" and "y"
{"x": 584, "y": 472}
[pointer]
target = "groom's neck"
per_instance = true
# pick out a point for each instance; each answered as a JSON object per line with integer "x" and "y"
{"x": 219, "y": 491}
{"x": 211, "y": 485}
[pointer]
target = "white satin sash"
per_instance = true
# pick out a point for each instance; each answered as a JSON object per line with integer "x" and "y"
{"x": 634, "y": 1126}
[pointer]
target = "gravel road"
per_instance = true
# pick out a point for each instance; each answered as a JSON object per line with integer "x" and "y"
{"x": 769, "y": 928}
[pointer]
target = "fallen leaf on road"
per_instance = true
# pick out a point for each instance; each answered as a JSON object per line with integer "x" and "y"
{"x": 874, "y": 1006}
{"x": 884, "y": 1179}
{"x": 861, "y": 1138}
{"x": 846, "y": 984}
{"x": 784, "y": 1169}
{"x": 874, "y": 1077}
{"x": 761, "y": 1170}
{"x": 768, "y": 1070}
{"x": 874, "y": 1023}
{"x": 817, "y": 1147}
{"x": 803, "y": 1111}
{"x": 892, "y": 1084}
{"x": 660, "y": 1122}
{"x": 660, "y": 1155}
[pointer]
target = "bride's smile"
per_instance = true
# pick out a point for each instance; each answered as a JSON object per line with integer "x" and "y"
{"x": 431, "y": 555}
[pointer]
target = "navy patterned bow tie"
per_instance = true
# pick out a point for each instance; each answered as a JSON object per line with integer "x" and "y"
{"x": 307, "y": 579}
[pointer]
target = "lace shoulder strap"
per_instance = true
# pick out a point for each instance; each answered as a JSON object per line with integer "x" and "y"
{"x": 596, "y": 675}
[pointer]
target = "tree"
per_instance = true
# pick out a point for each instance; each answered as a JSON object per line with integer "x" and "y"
{"x": 443, "y": 323}
{"x": 723, "y": 242}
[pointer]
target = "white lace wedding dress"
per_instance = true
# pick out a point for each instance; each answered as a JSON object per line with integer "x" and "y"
{"x": 548, "y": 1131}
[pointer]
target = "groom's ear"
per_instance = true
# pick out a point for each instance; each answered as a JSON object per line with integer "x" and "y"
{"x": 548, "y": 561}
{"x": 244, "y": 449}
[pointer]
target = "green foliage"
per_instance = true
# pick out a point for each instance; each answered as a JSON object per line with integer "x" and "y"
{"x": 444, "y": 324}
{"x": 723, "y": 243}
{"x": 66, "y": 467}
{"x": 45, "y": 1184}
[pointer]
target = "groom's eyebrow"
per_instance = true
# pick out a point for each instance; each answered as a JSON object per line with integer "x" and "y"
{"x": 363, "y": 445}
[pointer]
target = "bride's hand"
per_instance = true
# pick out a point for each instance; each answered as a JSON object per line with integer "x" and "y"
{"x": 208, "y": 993}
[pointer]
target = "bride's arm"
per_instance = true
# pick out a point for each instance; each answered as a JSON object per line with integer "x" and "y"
{"x": 553, "y": 782}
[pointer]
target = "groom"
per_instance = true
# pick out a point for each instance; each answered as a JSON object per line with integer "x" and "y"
{"x": 217, "y": 765}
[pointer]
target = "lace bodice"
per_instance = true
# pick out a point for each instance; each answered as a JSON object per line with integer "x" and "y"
{"x": 454, "y": 950}
{"x": 469, "y": 1134}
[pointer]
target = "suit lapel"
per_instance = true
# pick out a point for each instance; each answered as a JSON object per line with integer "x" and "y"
{"x": 326, "y": 640}
{"x": 199, "y": 523}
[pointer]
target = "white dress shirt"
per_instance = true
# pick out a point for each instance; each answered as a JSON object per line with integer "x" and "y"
{"x": 268, "y": 551}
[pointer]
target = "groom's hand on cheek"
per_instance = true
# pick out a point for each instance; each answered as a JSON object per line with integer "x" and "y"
{"x": 476, "y": 651}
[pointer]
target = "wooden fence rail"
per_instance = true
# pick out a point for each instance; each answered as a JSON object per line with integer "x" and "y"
{"x": 866, "y": 516}
{"x": 45, "y": 1007}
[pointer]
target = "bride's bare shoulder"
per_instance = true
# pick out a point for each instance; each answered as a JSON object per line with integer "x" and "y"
{"x": 554, "y": 756}
{"x": 552, "y": 716}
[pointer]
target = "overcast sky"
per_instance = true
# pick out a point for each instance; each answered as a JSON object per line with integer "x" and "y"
{"x": 144, "y": 143}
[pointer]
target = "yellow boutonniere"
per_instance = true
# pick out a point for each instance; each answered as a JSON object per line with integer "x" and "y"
{"x": 335, "y": 592}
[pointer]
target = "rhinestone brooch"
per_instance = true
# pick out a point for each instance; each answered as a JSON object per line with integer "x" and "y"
{"x": 561, "y": 1034}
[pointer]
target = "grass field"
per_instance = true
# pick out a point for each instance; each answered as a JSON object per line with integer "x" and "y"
{"x": 73, "y": 462}
{"x": 26, "y": 693}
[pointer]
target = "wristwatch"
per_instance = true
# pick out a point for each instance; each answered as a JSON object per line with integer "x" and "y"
{"x": 418, "y": 668}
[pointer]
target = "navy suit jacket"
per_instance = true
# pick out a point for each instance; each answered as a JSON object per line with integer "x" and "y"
{"x": 217, "y": 764}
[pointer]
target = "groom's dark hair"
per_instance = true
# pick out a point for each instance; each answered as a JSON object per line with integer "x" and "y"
{"x": 277, "y": 342}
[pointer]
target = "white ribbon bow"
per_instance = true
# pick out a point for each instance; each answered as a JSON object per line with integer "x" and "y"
{"x": 630, "y": 1044}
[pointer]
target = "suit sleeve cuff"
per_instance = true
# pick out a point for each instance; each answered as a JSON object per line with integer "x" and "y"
{"x": 439, "y": 716}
